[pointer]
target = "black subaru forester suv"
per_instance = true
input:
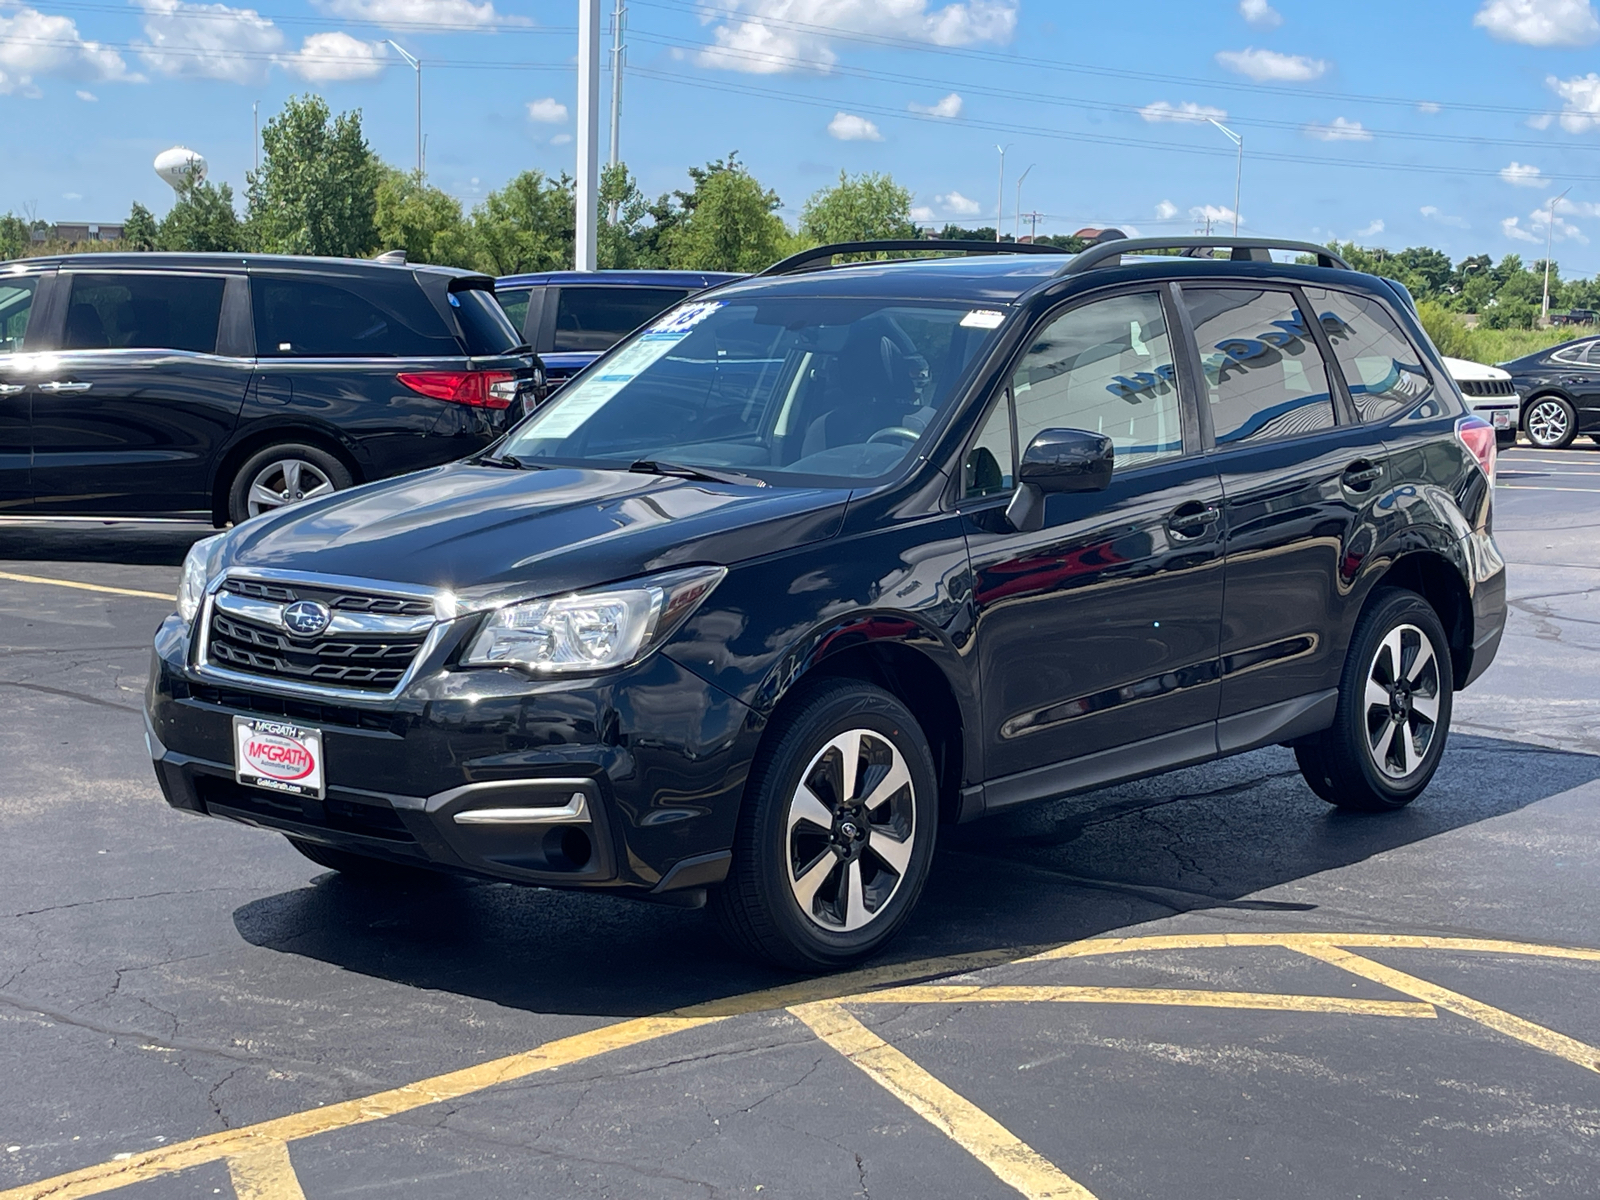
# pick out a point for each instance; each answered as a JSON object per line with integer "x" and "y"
{"x": 823, "y": 559}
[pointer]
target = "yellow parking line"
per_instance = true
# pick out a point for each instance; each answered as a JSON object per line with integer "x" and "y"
{"x": 1181, "y": 997}
{"x": 1011, "y": 1159}
{"x": 86, "y": 587}
{"x": 1497, "y": 1019}
{"x": 265, "y": 1173}
{"x": 1096, "y": 947}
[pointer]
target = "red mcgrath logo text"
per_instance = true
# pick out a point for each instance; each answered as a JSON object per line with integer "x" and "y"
{"x": 276, "y": 757}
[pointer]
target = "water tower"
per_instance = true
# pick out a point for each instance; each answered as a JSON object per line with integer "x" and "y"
{"x": 175, "y": 166}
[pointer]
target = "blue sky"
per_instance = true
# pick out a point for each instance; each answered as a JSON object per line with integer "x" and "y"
{"x": 1393, "y": 123}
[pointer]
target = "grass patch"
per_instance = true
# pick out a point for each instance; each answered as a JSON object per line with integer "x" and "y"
{"x": 1451, "y": 335}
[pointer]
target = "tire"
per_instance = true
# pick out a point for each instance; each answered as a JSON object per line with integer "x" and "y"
{"x": 1504, "y": 439}
{"x": 360, "y": 866}
{"x": 1595, "y": 438}
{"x": 284, "y": 474}
{"x": 860, "y": 870}
{"x": 1549, "y": 423}
{"x": 1364, "y": 762}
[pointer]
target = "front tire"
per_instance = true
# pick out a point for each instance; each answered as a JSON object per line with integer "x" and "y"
{"x": 837, "y": 831}
{"x": 1550, "y": 423}
{"x": 284, "y": 474}
{"x": 1393, "y": 717}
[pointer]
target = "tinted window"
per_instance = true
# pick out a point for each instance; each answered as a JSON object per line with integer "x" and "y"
{"x": 597, "y": 318}
{"x": 1383, "y": 371}
{"x": 296, "y": 317}
{"x": 483, "y": 322}
{"x": 515, "y": 302}
{"x": 144, "y": 312}
{"x": 1264, "y": 377}
{"x": 989, "y": 464}
{"x": 1106, "y": 368}
{"x": 16, "y": 302}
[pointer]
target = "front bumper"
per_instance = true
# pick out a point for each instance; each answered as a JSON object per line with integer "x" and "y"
{"x": 630, "y": 781}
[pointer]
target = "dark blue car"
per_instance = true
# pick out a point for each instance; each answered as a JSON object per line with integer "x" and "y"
{"x": 570, "y": 318}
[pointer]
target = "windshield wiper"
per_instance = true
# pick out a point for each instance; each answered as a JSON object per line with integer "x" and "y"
{"x": 510, "y": 461}
{"x": 650, "y": 466}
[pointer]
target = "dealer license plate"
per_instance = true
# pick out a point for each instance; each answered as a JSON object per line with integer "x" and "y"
{"x": 1502, "y": 419}
{"x": 278, "y": 756}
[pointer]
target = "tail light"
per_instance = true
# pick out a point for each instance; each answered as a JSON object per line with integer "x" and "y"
{"x": 1477, "y": 435}
{"x": 480, "y": 389}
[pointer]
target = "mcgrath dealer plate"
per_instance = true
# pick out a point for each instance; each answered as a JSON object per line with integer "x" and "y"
{"x": 278, "y": 756}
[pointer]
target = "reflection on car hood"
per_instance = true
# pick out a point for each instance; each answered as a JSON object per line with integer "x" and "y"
{"x": 483, "y": 531}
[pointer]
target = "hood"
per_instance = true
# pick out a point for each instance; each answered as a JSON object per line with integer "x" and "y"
{"x": 481, "y": 531}
{"x": 1461, "y": 368}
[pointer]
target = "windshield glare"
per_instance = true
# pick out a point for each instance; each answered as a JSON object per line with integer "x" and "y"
{"x": 790, "y": 390}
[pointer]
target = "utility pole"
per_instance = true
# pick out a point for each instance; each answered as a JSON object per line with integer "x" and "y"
{"x": 1549, "y": 243}
{"x": 1016, "y": 230}
{"x": 1000, "y": 202}
{"x": 416, "y": 65}
{"x": 255, "y": 133}
{"x": 619, "y": 16}
{"x": 1238, "y": 170}
{"x": 585, "y": 251}
{"x": 1033, "y": 221}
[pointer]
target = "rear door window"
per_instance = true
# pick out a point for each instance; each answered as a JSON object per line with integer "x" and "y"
{"x": 300, "y": 317}
{"x": 1264, "y": 377}
{"x": 144, "y": 312}
{"x": 16, "y": 303}
{"x": 1381, "y": 368}
{"x": 597, "y": 318}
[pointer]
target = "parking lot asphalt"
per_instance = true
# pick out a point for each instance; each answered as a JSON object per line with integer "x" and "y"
{"x": 1203, "y": 984}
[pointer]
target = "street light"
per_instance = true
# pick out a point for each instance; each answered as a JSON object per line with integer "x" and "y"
{"x": 416, "y": 65}
{"x": 1549, "y": 242}
{"x": 1000, "y": 201}
{"x": 1016, "y": 228}
{"x": 1238, "y": 171}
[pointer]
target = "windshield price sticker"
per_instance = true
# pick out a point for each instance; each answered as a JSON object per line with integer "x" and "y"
{"x": 278, "y": 757}
{"x": 982, "y": 318}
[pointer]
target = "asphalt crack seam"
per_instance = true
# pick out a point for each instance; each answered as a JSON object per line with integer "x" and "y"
{"x": 34, "y": 912}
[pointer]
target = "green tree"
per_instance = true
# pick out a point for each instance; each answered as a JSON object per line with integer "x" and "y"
{"x": 15, "y": 237}
{"x": 422, "y": 220}
{"x": 202, "y": 219}
{"x": 316, "y": 192}
{"x": 139, "y": 231}
{"x": 630, "y": 240}
{"x": 960, "y": 233}
{"x": 528, "y": 225}
{"x": 729, "y": 221}
{"x": 866, "y": 208}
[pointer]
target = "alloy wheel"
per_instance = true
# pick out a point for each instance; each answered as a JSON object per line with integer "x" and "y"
{"x": 1547, "y": 423}
{"x": 851, "y": 829}
{"x": 286, "y": 481}
{"x": 1402, "y": 702}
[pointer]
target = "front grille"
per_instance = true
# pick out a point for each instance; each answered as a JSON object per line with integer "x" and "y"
{"x": 245, "y": 636}
{"x": 306, "y": 712}
{"x": 1488, "y": 387}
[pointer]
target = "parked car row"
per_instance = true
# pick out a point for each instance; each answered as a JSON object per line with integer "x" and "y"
{"x": 1559, "y": 391}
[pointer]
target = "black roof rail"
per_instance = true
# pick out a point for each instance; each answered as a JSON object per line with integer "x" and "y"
{"x": 1243, "y": 250}
{"x": 820, "y": 258}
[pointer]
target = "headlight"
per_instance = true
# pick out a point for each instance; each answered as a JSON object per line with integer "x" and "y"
{"x": 197, "y": 571}
{"x": 592, "y": 631}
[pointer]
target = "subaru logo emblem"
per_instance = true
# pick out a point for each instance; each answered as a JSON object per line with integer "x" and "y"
{"x": 306, "y": 618}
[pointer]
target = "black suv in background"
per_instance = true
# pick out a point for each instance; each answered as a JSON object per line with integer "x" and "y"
{"x": 229, "y": 385}
{"x": 821, "y": 560}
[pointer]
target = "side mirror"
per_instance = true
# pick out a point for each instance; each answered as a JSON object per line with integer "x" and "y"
{"x": 1058, "y": 460}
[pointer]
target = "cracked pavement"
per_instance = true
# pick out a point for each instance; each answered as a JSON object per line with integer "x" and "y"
{"x": 164, "y": 977}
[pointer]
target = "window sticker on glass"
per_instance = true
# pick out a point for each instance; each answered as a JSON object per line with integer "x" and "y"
{"x": 681, "y": 320}
{"x": 983, "y": 318}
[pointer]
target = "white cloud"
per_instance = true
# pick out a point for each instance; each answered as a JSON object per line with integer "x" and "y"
{"x": 72, "y": 195}
{"x": 211, "y": 41}
{"x": 947, "y": 106}
{"x": 335, "y": 58}
{"x": 1539, "y": 228}
{"x": 397, "y": 14}
{"x": 1260, "y": 14}
{"x": 1512, "y": 228}
{"x": 1428, "y": 107}
{"x": 1432, "y": 213}
{"x": 561, "y": 139}
{"x": 1521, "y": 175}
{"x": 922, "y": 214}
{"x": 34, "y": 44}
{"x": 848, "y": 127}
{"x": 1268, "y": 66}
{"x": 1166, "y": 210}
{"x": 1372, "y": 230}
{"x": 1162, "y": 110}
{"x": 958, "y": 205}
{"x": 1219, "y": 215}
{"x": 1580, "y": 98}
{"x": 1542, "y": 121}
{"x": 87, "y": 97}
{"x": 772, "y": 36}
{"x": 1540, "y": 22}
{"x": 548, "y": 111}
{"x": 1340, "y": 130}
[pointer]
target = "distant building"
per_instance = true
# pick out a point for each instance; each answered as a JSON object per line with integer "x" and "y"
{"x": 1100, "y": 235}
{"x": 79, "y": 231}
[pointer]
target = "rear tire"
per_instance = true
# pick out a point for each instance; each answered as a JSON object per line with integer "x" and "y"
{"x": 284, "y": 474}
{"x": 1549, "y": 423}
{"x": 1393, "y": 718}
{"x": 829, "y": 857}
{"x": 359, "y": 866}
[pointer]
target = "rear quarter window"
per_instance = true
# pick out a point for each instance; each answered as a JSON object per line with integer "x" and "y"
{"x": 1382, "y": 369}
{"x": 485, "y": 327}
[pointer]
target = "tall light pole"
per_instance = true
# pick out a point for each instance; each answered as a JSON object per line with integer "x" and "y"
{"x": 1000, "y": 202}
{"x": 619, "y": 16}
{"x": 1238, "y": 171}
{"x": 1016, "y": 227}
{"x": 1549, "y": 244}
{"x": 255, "y": 133}
{"x": 586, "y": 250}
{"x": 416, "y": 65}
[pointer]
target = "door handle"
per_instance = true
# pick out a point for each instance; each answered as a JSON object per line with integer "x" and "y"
{"x": 56, "y": 388}
{"x": 1359, "y": 476}
{"x": 11, "y": 389}
{"x": 1190, "y": 520}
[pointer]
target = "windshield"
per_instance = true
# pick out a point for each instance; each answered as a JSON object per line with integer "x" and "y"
{"x": 788, "y": 389}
